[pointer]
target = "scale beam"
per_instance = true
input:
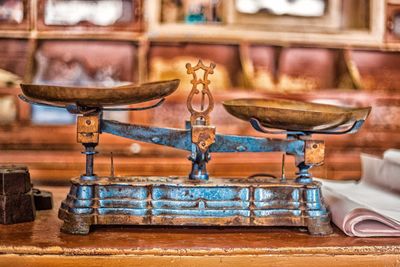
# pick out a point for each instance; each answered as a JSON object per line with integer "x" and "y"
{"x": 181, "y": 139}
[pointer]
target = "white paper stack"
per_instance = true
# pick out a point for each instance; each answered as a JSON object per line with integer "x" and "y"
{"x": 370, "y": 207}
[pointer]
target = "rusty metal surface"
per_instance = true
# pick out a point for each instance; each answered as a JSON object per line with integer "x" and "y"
{"x": 99, "y": 97}
{"x": 203, "y": 136}
{"x": 314, "y": 152}
{"x": 294, "y": 115}
{"x": 17, "y": 208}
{"x": 14, "y": 179}
{"x": 88, "y": 128}
{"x": 179, "y": 201}
{"x": 16, "y": 199}
{"x": 43, "y": 199}
{"x": 203, "y": 113}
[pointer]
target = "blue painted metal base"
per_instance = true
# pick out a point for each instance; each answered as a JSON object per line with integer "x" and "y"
{"x": 179, "y": 201}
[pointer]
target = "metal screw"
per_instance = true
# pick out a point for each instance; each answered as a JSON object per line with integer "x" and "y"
{"x": 241, "y": 148}
{"x": 155, "y": 139}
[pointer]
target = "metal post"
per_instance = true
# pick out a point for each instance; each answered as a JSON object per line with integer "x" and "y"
{"x": 89, "y": 152}
{"x": 88, "y": 129}
{"x": 303, "y": 175}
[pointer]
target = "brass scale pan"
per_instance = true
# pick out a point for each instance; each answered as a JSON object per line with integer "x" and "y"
{"x": 272, "y": 113}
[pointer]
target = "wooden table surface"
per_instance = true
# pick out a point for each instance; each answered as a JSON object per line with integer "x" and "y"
{"x": 41, "y": 243}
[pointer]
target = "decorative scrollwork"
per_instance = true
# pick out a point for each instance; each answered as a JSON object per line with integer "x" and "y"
{"x": 203, "y": 113}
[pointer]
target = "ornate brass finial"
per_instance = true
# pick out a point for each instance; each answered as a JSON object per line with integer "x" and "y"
{"x": 203, "y": 113}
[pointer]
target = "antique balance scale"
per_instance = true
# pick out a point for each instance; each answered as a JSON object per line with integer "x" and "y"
{"x": 198, "y": 200}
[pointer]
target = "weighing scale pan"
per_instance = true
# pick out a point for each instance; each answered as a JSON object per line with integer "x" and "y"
{"x": 295, "y": 115}
{"x": 99, "y": 97}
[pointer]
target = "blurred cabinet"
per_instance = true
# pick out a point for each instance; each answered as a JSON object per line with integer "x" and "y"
{"x": 392, "y": 33}
{"x": 15, "y": 14}
{"x": 340, "y": 23}
{"x": 93, "y": 15}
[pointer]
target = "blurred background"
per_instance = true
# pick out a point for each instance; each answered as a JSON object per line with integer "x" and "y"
{"x": 328, "y": 51}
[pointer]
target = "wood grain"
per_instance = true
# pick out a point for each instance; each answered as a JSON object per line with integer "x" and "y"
{"x": 201, "y": 261}
{"x": 40, "y": 243}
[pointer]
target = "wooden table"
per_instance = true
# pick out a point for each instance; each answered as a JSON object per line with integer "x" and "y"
{"x": 41, "y": 243}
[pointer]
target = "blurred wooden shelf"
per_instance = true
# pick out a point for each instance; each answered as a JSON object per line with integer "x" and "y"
{"x": 90, "y": 35}
{"x": 40, "y": 243}
{"x": 225, "y": 33}
{"x": 371, "y": 37}
{"x": 217, "y": 34}
{"x": 15, "y": 34}
{"x": 237, "y": 34}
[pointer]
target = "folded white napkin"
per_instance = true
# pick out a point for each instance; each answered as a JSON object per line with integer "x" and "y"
{"x": 370, "y": 207}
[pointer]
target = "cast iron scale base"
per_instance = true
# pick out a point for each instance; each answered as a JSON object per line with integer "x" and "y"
{"x": 198, "y": 200}
{"x": 179, "y": 201}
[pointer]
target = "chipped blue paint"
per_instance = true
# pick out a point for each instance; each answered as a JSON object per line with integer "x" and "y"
{"x": 181, "y": 139}
{"x": 121, "y": 191}
{"x": 122, "y": 211}
{"x": 261, "y": 194}
{"x": 277, "y": 212}
{"x": 194, "y": 193}
{"x": 200, "y": 212}
{"x": 296, "y": 194}
{"x": 251, "y": 202}
{"x": 277, "y": 204}
{"x": 200, "y": 204}
{"x": 122, "y": 203}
